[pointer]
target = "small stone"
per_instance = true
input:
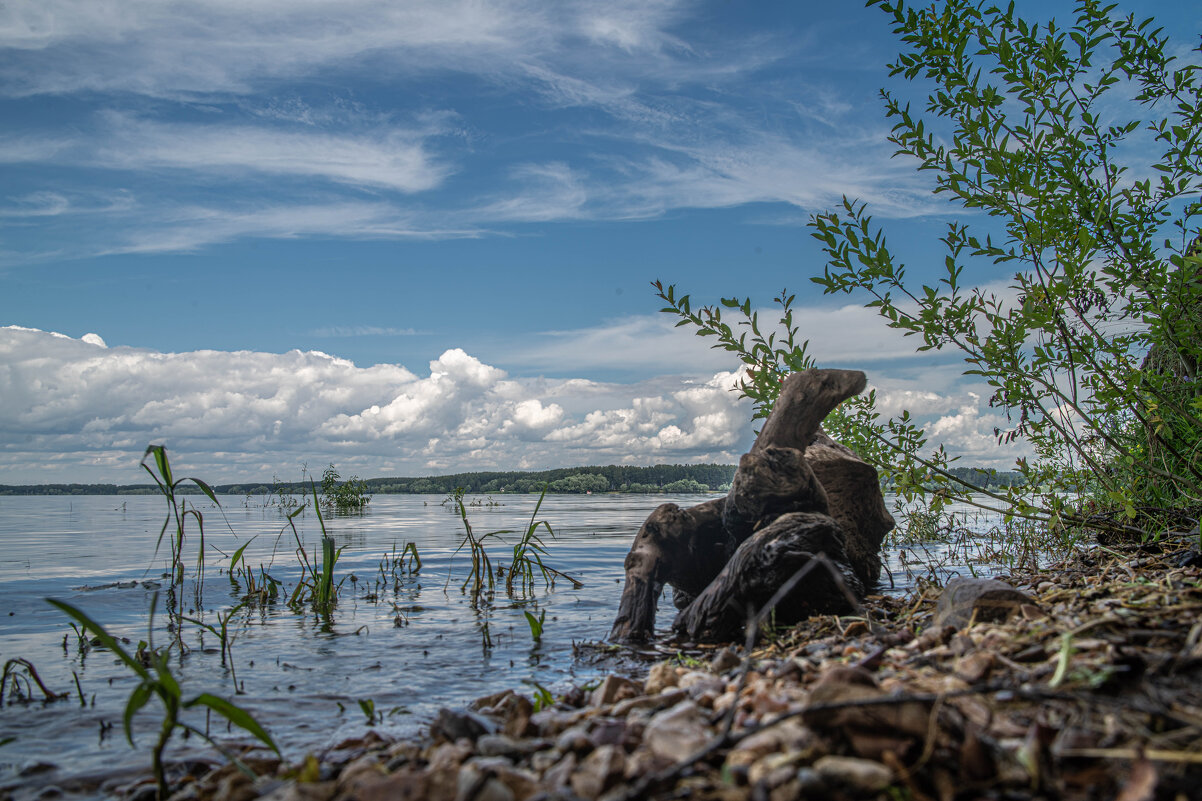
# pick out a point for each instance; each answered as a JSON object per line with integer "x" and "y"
{"x": 501, "y": 745}
{"x": 404, "y": 785}
{"x": 676, "y": 733}
{"x": 452, "y": 725}
{"x": 786, "y": 736}
{"x": 860, "y": 776}
{"x": 976, "y": 666}
{"x": 366, "y": 765}
{"x": 788, "y": 791}
{"x": 543, "y": 760}
{"x": 643, "y": 762}
{"x": 698, "y": 684}
{"x": 607, "y": 731}
{"x": 558, "y": 775}
{"x": 574, "y": 738}
{"x": 515, "y": 710}
{"x": 659, "y": 701}
{"x": 725, "y": 660}
{"x": 660, "y": 677}
{"x": 598, "y": 772}
{"x": 981, "y": 600}
{"x": 613, "y": 689}
{"x": 522, "y": 783}
{"x": 448, "y": 755}
{"x": 475, "y": 784}
{"x": 809, "y": 783}
{"x": 550, "y": 722}
{"x": 301, "y": 791}
{"x": 773, "y": 770}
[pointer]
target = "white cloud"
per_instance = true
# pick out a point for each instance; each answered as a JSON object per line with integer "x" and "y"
{"x": 187, "y": 228}
{"x": 840, "y": 336}
{"x": 287, "y": 166}
{"x": 77, "y": 410}
{"x": 394, "y": 159}
{"x": 207, "y": 46}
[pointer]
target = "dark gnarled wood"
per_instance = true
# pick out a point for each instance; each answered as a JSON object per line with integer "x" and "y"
{"x": 854, "y": 495}
{"x": 682, "y": 547}
{"x": 806, "y": 398}
{"x": 762, "y": 564}
{"x": 770, "y": 482}
{"x": 795, "y": 494}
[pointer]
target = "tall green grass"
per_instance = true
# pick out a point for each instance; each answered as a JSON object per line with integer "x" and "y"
{"x": 317, "y": 587}
{"x": 157, "y": 681}
{"x": 178, "y": 512}
{"x": 528, "y": 556}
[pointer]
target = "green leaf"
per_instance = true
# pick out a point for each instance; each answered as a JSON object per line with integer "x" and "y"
{"x": 137, "y": 699}
{"x": 236, "y": 715}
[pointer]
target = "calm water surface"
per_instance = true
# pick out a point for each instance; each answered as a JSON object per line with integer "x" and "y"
{"x": 301, "y": 676}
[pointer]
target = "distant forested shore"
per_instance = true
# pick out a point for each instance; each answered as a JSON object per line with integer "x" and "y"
{"x": 664, "y": 478}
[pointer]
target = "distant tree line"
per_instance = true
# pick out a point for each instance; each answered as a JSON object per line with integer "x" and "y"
{"x": 988, "y": 479}
{"x": 673, "y": 478}
{"x": 81, "y": 489}
{"x": 664, "y": 478}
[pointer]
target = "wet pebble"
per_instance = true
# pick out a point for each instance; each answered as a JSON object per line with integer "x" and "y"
{"x": 860, "y": 776}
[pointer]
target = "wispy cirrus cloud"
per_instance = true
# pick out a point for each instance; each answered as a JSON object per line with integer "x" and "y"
{"x": 608, "y": 113}
{"x": 395, "y": 159}
{"x": 180, "y": 48}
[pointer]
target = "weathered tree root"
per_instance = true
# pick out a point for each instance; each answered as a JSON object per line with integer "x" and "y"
{"x": 796, "y": 493}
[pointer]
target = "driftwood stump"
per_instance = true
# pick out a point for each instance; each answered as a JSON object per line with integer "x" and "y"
{"x": 796, "y": 493}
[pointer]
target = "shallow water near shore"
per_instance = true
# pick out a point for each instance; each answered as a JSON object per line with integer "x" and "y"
{"x": 406, "y": 649}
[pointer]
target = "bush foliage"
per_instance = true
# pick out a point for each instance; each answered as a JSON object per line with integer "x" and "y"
{"x": 1074, "y": 154}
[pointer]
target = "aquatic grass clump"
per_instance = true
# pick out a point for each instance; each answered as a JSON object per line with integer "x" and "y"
{"x": 317, "y": 587}
{"x": 157, "y": 681}
{"x": 480, "y": 576}
{"x": 394, "y": 567}
{"x": 526, "y": 563}
{"x": 260, "y": 589}
{"x": 408, "y": 560}
{"x": 178, "y": 512}
{"x": 528, "y": 556}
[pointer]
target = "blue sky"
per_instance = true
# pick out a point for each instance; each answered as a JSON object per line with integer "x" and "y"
{"x": 452, "y": 210}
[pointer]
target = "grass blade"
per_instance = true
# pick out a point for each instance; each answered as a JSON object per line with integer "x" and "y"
{"x": 236, "y": 715}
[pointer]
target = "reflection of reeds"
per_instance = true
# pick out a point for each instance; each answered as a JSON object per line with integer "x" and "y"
{"x": 21, "y": 675}
{"x": 226, "y": 639}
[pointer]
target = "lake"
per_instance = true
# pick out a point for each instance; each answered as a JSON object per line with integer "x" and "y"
{"x": 407, "y": 648}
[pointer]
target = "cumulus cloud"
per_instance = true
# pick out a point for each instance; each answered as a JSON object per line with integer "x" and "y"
{"x": 82, "y": 410}
{"x": 78, "y": 410}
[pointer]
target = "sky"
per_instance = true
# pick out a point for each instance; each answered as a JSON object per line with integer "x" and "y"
{"x": 418, "y": 237}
